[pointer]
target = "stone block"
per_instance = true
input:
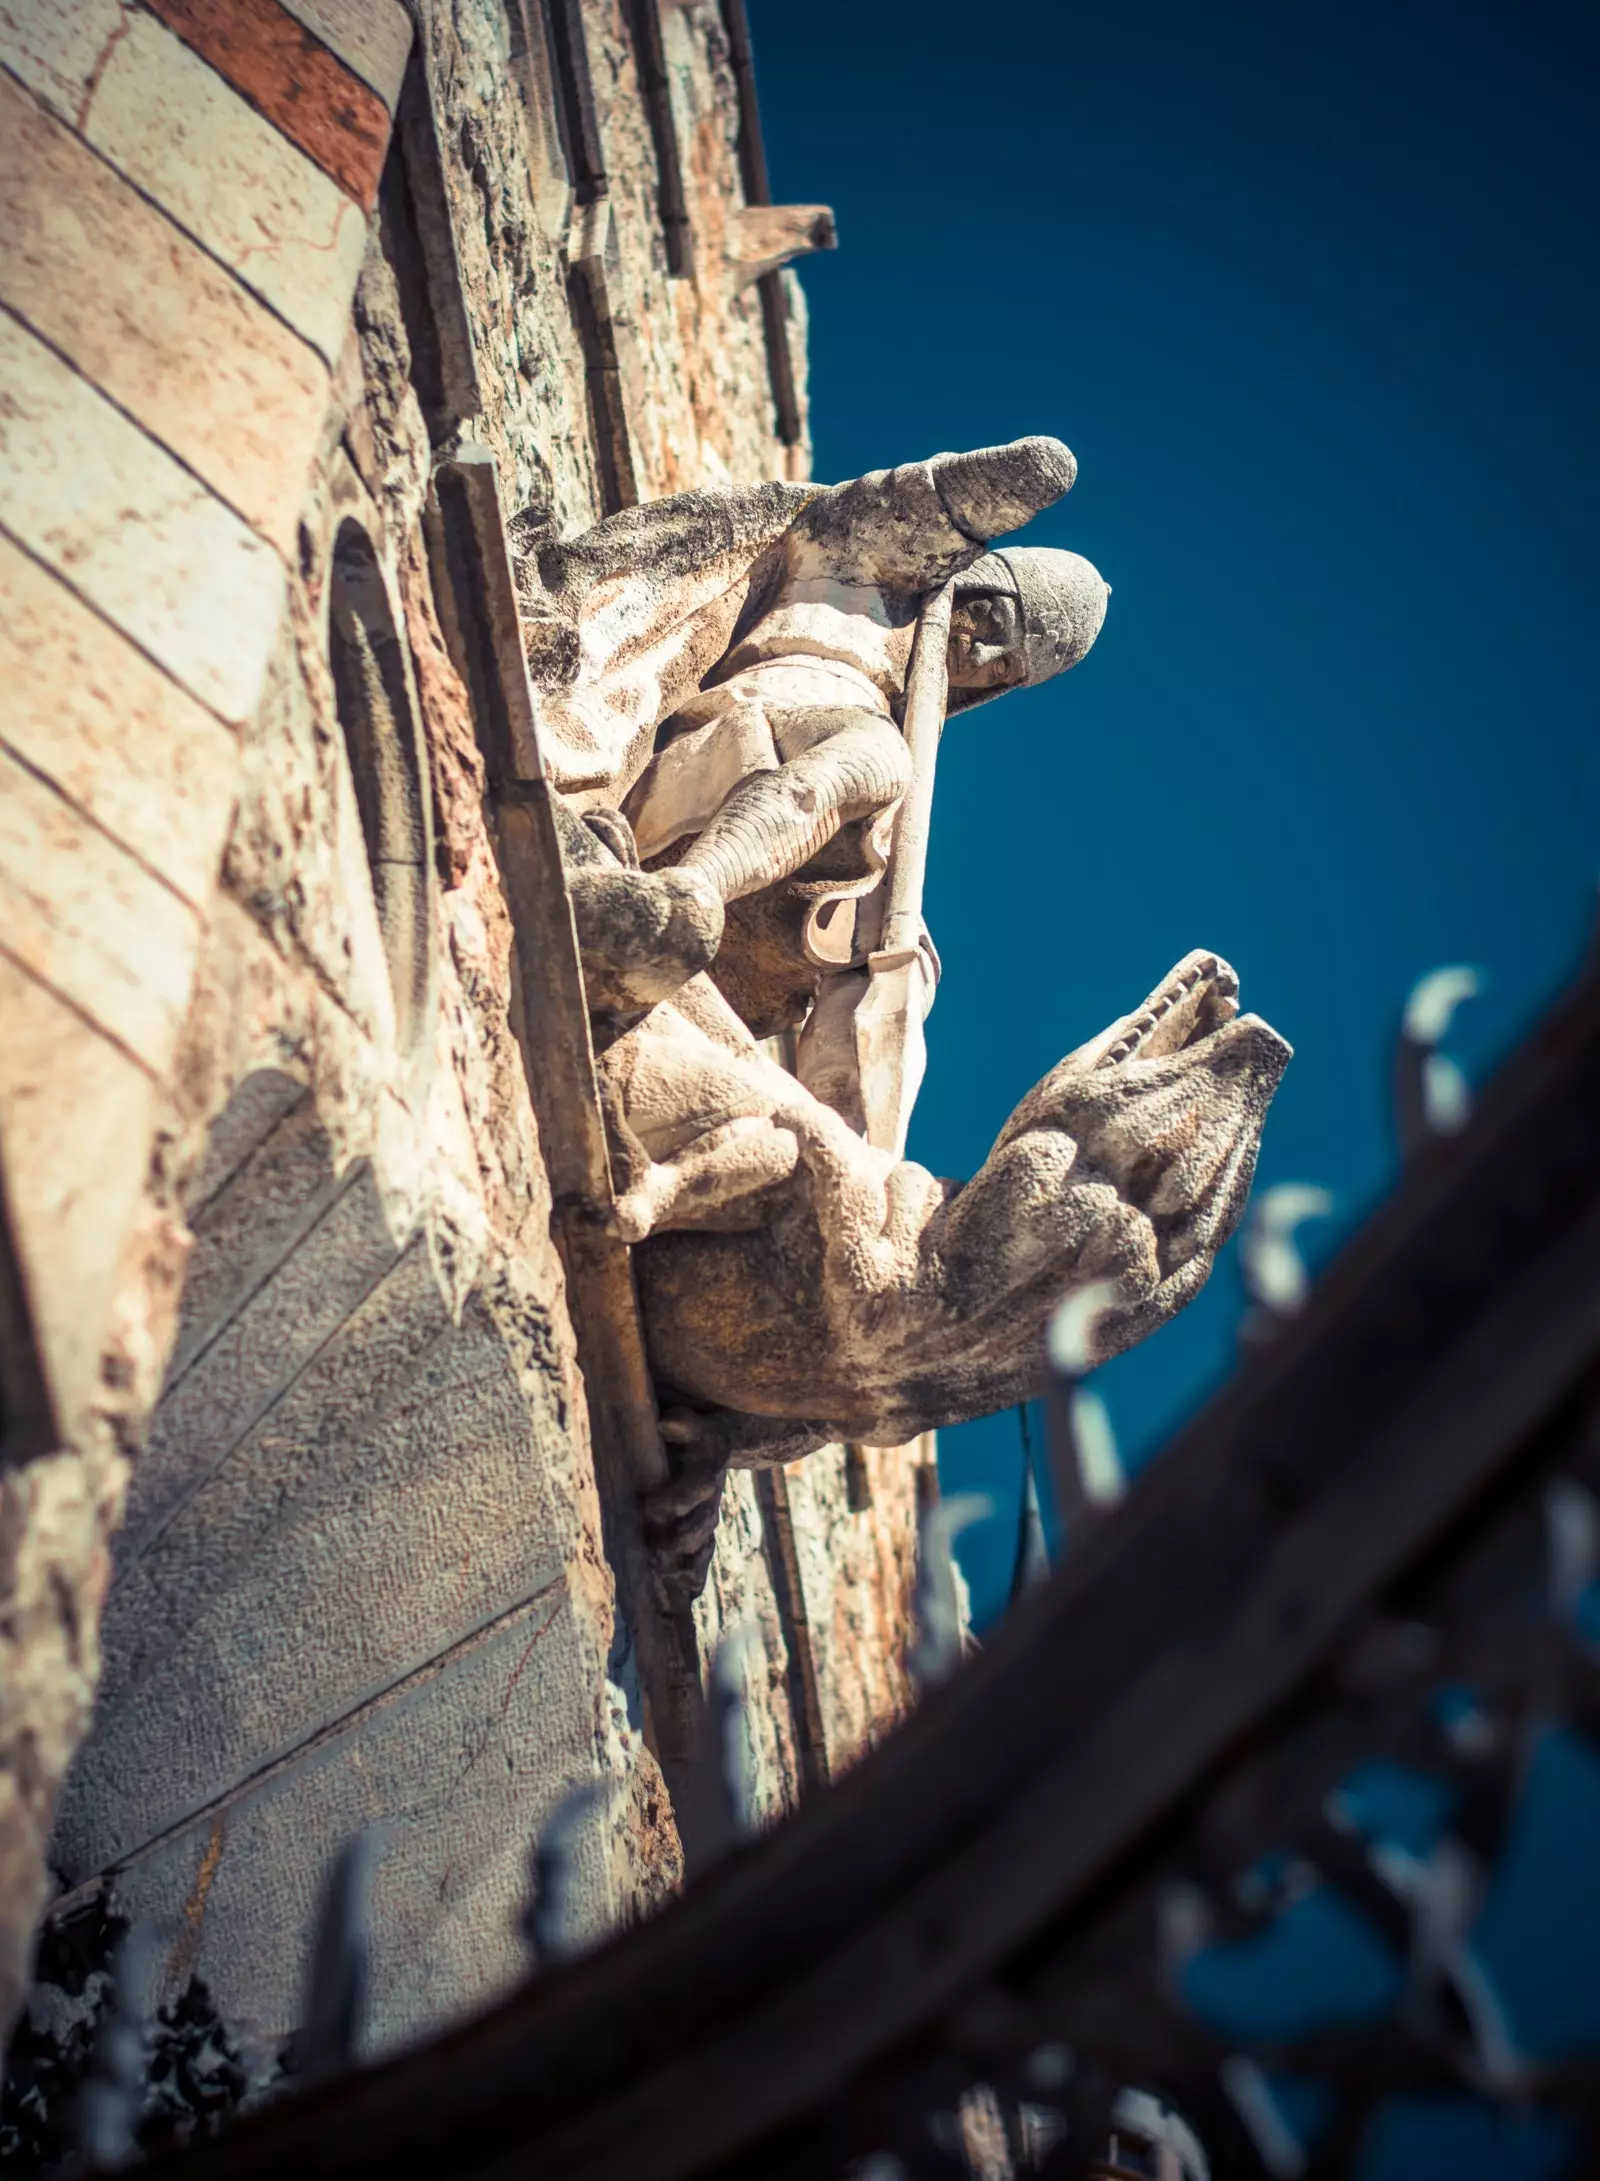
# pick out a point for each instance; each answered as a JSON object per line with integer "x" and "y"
{"x": 116, "y": 735}
{"x": 154, "y": 321}
{"x": 75, "y": 1121}
{"x": 371, "y": 36}
{"x": 57, "y": 49}
{"x": 91, "y": 922}
{"x": 186, "y": 139}
{"x": 133, "y": 531}
{"x": 294, "y": 79}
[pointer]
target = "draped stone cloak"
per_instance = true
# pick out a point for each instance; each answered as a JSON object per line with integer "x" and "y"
{"x": 694, "y": 618}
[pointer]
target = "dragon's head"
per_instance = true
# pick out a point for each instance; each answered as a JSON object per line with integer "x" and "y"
{"x": 1165, "y": 1109}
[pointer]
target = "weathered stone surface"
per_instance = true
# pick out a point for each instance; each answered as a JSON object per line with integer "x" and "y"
{"x": 179, "y": 133}
{"x": 739, "y": 1609}
{"x": 256, "y": 1351}
{"x": 230, "y": 1637}
{"x": 57, "y": 50}
{"x": 117, "y": 736}
{"x": 858, "y": 1565}
{"x": 55, "y": 1514}
{"x": 133, "y": 531}
{"x": 91, "y": 922}
{"x": 373, "y": 37}
{"x": 293, "y": 78}
{"x": 154, "y": 321}
{"x": 462, "y": 1764}
{"x": 696, "y": 378}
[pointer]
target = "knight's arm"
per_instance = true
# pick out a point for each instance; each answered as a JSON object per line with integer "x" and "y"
{"x": 910, "y": 528}
{"x": 642, "y": 571}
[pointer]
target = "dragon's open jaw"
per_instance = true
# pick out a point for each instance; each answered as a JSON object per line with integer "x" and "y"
{"x": 1200, "y": 995}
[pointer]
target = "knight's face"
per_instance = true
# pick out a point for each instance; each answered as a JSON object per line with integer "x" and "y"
{"x": 986, "y": 648}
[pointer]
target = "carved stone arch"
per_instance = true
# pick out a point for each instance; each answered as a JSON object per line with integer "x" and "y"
{"x": 378, "y": 714}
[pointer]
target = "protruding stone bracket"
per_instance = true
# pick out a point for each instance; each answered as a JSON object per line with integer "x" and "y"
{"x": 591, "y": 249}
{"x": 765, "y": 237}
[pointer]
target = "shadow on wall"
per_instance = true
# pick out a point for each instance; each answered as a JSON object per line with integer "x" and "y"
{"x": 339, "y": 1596}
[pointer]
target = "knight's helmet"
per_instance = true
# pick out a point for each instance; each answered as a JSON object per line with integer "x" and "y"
{"x": 1062, "y": 601}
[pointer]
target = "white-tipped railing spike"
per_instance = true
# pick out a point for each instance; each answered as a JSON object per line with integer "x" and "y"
{"x": 553, "y": 1923}
{"x": 940, "y": 1636}
{"x": 1087, "y": 1469}
{"x": 1434, "y": 1000}
{"x": 730, "y": 1723}
{"x": 1073, "y": 1326}
{"x": 112, "y": 2098}
{"x": 1176, "y": 2146}
{"x": 1100, "y": 1469}
{"x": 1250, "y": 2093}
{"x": 341, "y": 1960}
{"x": 1431, "y": 1095}
{"x": 1443, "y": 1891}
{"x": 1572, "y": 1541}
{"x": 1274, "y": 1272}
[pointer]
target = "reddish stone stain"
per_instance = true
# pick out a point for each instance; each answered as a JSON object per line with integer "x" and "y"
{"x": 292, "y": 79}
{"x": 102, "y": 61}
{"x": 194, "y": 1908}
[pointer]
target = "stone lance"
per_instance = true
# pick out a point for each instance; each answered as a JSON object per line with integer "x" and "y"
{"x": 891, "y": 1052}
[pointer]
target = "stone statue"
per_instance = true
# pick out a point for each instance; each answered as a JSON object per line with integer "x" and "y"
{"x": 721, "y": 680}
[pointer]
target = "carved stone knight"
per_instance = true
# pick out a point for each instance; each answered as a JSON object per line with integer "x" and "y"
{"x": 729, "y": 668}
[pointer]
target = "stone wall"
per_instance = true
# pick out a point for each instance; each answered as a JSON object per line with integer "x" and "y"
{"x": 277, "y": 1216}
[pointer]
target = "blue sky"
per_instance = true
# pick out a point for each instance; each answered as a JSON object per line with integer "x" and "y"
{"x": 1310, "y": 292}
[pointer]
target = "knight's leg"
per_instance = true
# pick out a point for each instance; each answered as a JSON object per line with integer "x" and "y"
{"x": 716, "y": 1169}
{"x": 774, "y": 822}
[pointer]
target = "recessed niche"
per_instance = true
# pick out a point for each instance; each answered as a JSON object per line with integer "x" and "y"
{"x": 372, "y": 690}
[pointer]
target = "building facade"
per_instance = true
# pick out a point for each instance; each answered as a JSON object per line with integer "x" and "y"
{"x": 314, "y": 1455}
